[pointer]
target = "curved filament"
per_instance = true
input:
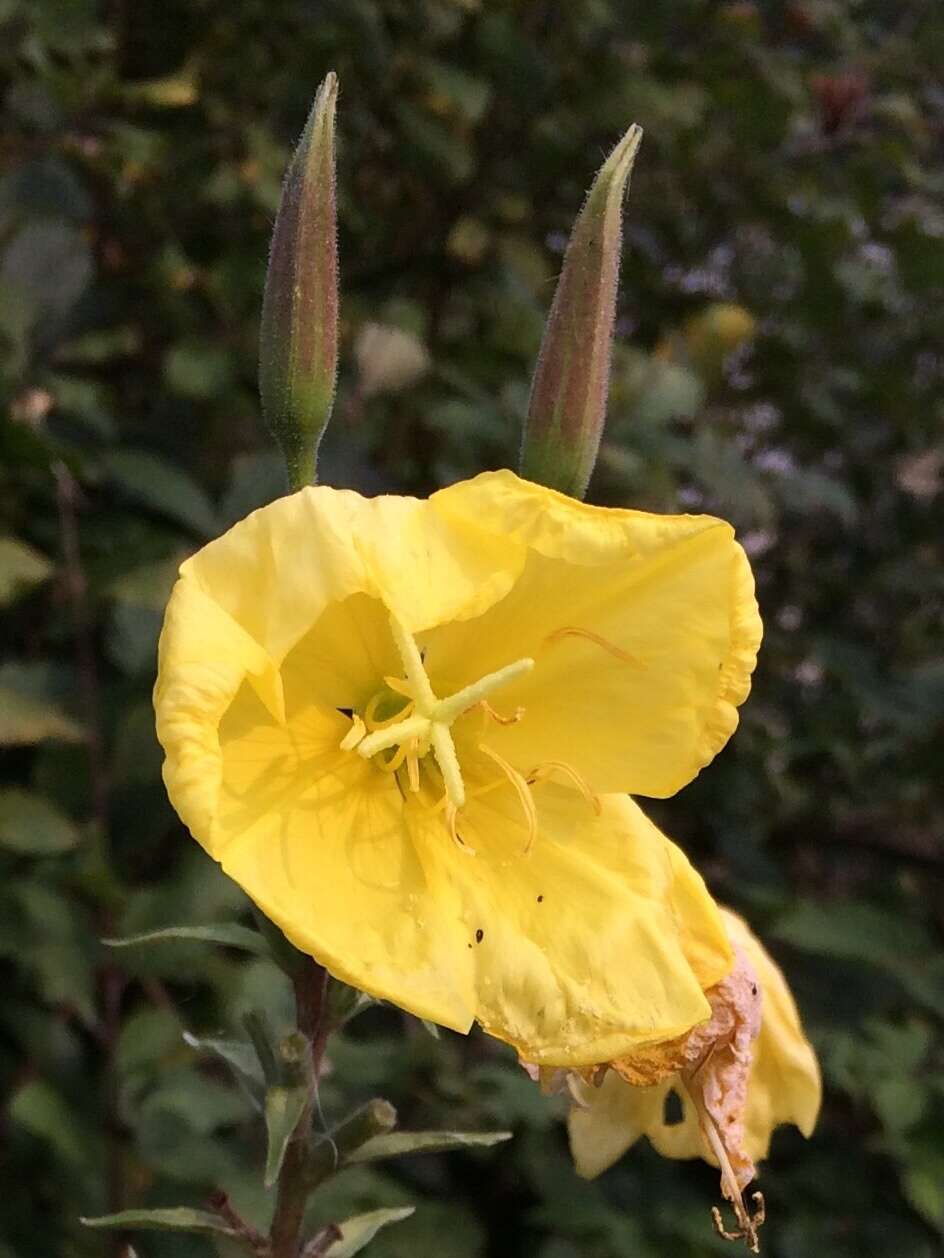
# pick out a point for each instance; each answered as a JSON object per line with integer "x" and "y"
{"x": 544, "y": 771}
{"x": 569, "y": 631}
{"x": 523, "y": 791}
{"x": 497, "y": 716}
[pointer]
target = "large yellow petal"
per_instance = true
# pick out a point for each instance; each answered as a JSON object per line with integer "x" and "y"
{"x": 375, "y": 887}
{"x": 317, "y": 838}
{"x": 644, "y": 631}
{"x": 277, "y": 571}
{"x": 579, "y": 945}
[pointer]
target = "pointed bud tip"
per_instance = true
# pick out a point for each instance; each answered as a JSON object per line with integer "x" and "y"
{"x": 567, "y": 408}
{"x": 299, "y": 330}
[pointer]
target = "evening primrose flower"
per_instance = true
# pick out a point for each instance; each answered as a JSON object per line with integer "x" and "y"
{"x": 403, "y": 727}
{"x": 737, "y": 1076}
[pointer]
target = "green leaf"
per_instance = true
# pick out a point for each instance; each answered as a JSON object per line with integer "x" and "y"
{"x": 31, "y": 825}
{"x": 43, "y": 1111}
{"x": 397, "y": 1143}
{"x": 362, "y": 1228}
{"x": 30, "y": 710}
{"x": 21, "y": 567}
{"x": 284, "y": 1107}
{"x": 158, "y": 484}
{"x": 228, "y": 933}
{"x": 174, "y": 1219}
{"x": 238, "y": 1055}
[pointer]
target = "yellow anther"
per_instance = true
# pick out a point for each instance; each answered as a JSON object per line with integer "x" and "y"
{"x": 391, "y": 765}
{"x": 522, "y": 790}
{"x": 544, "y": 771}
{"x": 354, "y": 735}
{"x": 413, "y": 766}
{"x": 399, "y": 685}
{"x": 451, "y": 822}
{"x": 370, "y": 712}
{"x": 569, "y": 631}
{"x": 497, "y": 716}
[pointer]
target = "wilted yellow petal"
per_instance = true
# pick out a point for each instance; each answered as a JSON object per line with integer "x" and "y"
{"x": 783, "y": 1086}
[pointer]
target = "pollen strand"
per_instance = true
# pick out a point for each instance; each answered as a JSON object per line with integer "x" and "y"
{"x": 522, "y": 790}
{"x": 570, "y": 631}
{"x": 544, "y": 771}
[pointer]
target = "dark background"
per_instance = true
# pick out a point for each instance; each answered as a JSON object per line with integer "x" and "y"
{"x": 779, "y": 363}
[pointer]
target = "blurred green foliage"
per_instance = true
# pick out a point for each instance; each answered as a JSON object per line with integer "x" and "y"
{"x": 780, "y": 363}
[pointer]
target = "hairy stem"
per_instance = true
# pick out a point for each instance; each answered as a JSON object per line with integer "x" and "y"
{"x": 311, "y": 985}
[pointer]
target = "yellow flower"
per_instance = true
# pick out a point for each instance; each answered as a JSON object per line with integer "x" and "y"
{"x": 396, "y": 723}
{"x": 737, "y": 1077}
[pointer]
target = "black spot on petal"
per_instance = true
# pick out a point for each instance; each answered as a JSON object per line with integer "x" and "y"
{"x": 479, "y": 935}
{"x": 540, "y": 899}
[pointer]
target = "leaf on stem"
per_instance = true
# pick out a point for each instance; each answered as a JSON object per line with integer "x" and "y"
{"x": 174, "y": 1219}
{"x": 396, "y": 1143}
{"x": 360, "y": 1230}
{"x": 230, "y": 934}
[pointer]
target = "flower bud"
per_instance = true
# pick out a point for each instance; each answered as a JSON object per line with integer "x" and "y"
{"x": 298, "y": 355}
{"x": 567, "y": 408}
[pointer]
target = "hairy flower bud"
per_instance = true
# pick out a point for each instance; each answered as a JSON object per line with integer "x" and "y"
{"x": 299, "y": 336}
{"x": 568, "y": 394}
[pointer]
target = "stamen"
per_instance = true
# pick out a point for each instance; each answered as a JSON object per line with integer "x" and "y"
{"x": 497, "y": 716}
{"x": 391, "y": 765}
{"x": 523, "y": 791}
{"x": 448, "y": 709}
{"x": 399, "y": 685}
{"x": 354, "y": 735}
{"x": 747, "y": 1224}
{"x": 381, "y": 739}
{"x": 413, "y": 766}
{"x": 370, "y": 712}
{"x": 448, "y": 762}
{"x": 568, "y": 631}
{"x": 451, "y": 820}
{"x": 420, "y": 689}
{"x": 545, "y": 770}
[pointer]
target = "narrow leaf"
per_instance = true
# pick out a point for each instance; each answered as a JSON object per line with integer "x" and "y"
{"x": 174, "y": 1219}
{"x": 33, "y": 826}
{"x": 360, "y": 1230}
{"x": 228, "y": 933}
{"x": 397, "y": 1143}
{"x": 240, "y": 1058}
{"x": 21, "y": 567}
{"x": 284, "y": 1107}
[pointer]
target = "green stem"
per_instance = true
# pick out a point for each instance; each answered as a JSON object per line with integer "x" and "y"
{"x": 311, "y": 985}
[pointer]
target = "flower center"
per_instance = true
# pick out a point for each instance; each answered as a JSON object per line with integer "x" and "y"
{"x": 425, "y": 723}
